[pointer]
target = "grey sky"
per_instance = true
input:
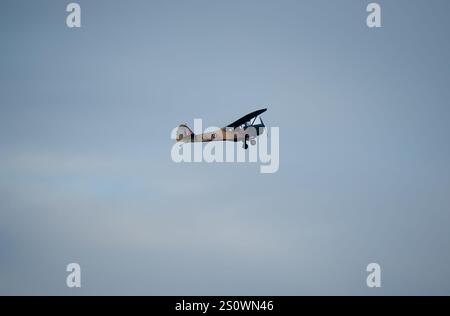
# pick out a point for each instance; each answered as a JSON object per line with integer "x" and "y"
{"x": 85, "y": 168}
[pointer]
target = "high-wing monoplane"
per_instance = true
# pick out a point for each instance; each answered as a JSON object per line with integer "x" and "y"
{"x": 245, "y": 129}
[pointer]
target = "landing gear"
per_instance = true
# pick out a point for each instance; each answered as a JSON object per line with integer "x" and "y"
{"x": 245, "y": 145}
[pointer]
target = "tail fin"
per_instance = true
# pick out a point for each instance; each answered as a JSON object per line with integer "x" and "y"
{"x": 184, "y": 133}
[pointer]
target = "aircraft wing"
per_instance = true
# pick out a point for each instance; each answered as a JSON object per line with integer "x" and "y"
{"x": 246, "y": 118}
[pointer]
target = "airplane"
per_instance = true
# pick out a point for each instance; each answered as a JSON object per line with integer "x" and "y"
{"x": 243, "y": 129}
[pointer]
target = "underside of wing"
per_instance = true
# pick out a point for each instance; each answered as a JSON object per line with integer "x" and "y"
{"x": 246, "y": 118}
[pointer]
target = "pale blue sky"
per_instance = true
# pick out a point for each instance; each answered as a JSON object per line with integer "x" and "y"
{"x": 85, "y": 168}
